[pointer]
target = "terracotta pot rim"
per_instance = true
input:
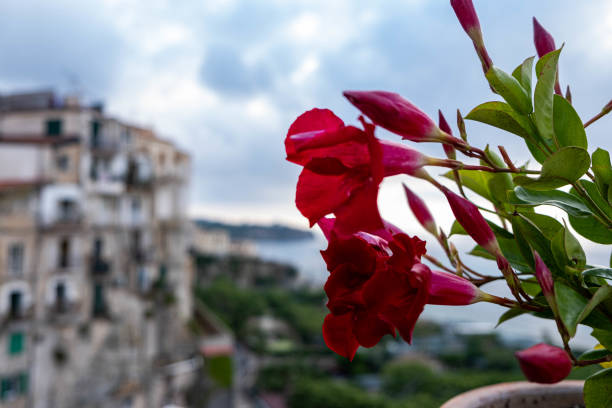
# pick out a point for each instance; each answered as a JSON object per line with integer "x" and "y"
{"x": 492, "y": 393}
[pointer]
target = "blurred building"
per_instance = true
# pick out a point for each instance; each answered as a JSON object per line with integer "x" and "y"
{"x": 217, "y": 241}
{"x": 95, "y": 283}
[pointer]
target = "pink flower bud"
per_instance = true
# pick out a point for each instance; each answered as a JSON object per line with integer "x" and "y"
{"x": 420, "y": 211}
{"x": 452, "y": 290}
{"x": 544, "y": 363}
{"x": 472, "y": 221}
{"x": 443, "y": 124}
{"x": 466, "y": 14}
{"x": 545, "y": 43}
{"x": 543, "y": 276}
{"x": 543, "y": 40}
{"x": 394, "y": 113}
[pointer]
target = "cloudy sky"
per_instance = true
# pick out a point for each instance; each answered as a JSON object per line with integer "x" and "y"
{"x": 225, "y": 78}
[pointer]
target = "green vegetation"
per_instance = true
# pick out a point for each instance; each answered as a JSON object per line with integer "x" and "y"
{"x": 220, "y": 369}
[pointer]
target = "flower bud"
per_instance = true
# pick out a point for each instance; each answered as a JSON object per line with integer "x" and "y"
{"x": 420, "y": 211}
{"x": 466, "y": 14}
{"x": 568, "y": 96}
{"x": 449, "y": 150}
{"x": 472, "y": 221}
{"x": 452, "y": 290}
{"x": 608, "y": 108}
{"x": 543, "y": 275}
{"x": 544, "y": 363}
{"x": 545, "y": 43}
{"x": 394, "y": 113}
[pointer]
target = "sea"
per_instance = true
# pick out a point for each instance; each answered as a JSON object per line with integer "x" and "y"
{"x": 477, "y": 318}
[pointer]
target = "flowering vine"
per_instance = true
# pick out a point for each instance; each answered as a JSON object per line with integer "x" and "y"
{"x": 380, "y": 278}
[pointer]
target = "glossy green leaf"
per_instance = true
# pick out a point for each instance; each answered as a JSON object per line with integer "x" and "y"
{"x": 594, "y": 354}
{"x": 589, "y": 227}
{"x": 600, "y": 272}
{"x": 546, "y": 70}
{"x": 597, "y": 389}
{"x": 600, "y": 163}
{"x": 510, "y": 314}
{"x": 510, "y": 89}
{"x": 523, "y": 72}
{"x": 499, "y": 183}
{"x": 546, "y": 224}
{"x": 604, "y": 337}
{"x": 570, "y": 304}
{"x": 565, "y": 201}
{"x": 603, "y": 293}
{"x": 475, "y": 180}
{"x": 569, "y": 130}
{"x": 502, "y": 116}
{"x": 457, "y": 229}
{"x": 565, "y": 166}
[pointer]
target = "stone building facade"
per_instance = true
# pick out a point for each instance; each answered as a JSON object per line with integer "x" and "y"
{"x": 95, "y": 283}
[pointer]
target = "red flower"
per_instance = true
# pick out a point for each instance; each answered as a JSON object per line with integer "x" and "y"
{"x": 544, "y": 363}
{"x": 420, "y": 211}
{"x": 352, "y": 263}
{"x": 371, "y": 294}
{"x": 343, "y": 167}
{"x": 545, "y": 43}
{"x": 394, "y": 113}
{"x": 466, "y": 14}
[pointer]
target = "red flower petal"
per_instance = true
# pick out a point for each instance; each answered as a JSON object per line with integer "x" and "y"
{"x": 320, "y": 194}
{"x": 450, "y": 289}
{"x": 338, "y": 335}
{"x": 369, "y": 328}
{"x": 359, "y": 212}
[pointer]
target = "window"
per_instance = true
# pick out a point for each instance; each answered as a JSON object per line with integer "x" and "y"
{"x": 98, "y": 247}
{"x": 54, "y": 127}
{"x": 15, "y": 299}
{"x": 63, "y": 162}
{"x": 15, "y": 259}
{"x": 93, "y": 169}
{"x": 67, "y": 210}
{"x": 99, "y": 303}
{"x": 64, "y": 253}
{"x": 16, "y": 343}
{"x": 61, "y": 300}
{"x": 96, "y": 130}
{"x": 13, "y": 386}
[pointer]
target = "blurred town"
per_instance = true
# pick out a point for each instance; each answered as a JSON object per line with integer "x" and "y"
{"x": 110, "y": 296}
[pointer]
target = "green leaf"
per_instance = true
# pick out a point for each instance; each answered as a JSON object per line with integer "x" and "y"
{"x": 475, "y": 180}
{"x": 594, "y": 354}
{"x": 523, "y": 72}
{"x": 600, "y": 272}
{"x": 599, "y": 296}
{"x": 565, "y": 166}
{"x": 510, "y": 89}
{"x": 457, "y": 229}
{"x": 571, "y": 304}
{"x": 546, "y": 224}
{"x": 590, "y": 227}
{"x": 546, "y": 69}
{"x": 600, "y": 163}
{"x": 499, "y": 183}
{"x": 597, "y": 389}
{"x": 569, "y": 130}
{"x": 604, "y": 337}
{"x": 502, "y": 116}
{"x": 510, "y": 314}
{"x": 565, "y": 201}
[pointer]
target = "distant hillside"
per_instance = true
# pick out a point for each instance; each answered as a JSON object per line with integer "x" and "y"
{"x": 255, "y": 232}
